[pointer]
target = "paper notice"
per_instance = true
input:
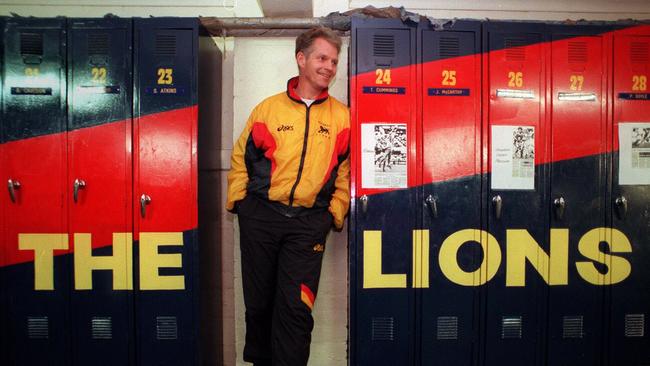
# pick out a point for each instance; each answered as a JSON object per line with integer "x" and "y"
{"x": 384, "y": 155}
{"x": 513, "y": 157}
{"x": 634, "y": 153}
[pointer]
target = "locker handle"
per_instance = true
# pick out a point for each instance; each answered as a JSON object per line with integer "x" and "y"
{"x": 433, "y": 206}
{"x": 364, "y": 203}
{"x": 621, "y": 205}
{"x": 144, "y": 201}
{"x": 498, "y": 206}
{"x": 78, "y": 184}
{"x": 12, "y": 185}
{"x": 560, "y": 206}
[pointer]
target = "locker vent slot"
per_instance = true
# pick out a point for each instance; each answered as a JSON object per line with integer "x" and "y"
{"x": 511, "y": 327}
{"x": 31, "y": 44}
{"x": 577, "y": 52}
{"x": 515, "y": 50}
{"x": 447, "y": 327}
{"x": 449, "y": 47}
{"x": 165, "y": 45}
{"x": 98, "y": 44}
{"x": 383, "y": 45}
{"x": 572, "y": 327}
{"x": 383, "y": 329}
{"x": 639, "y": 52}
{"x": 102, "y": 327}
{"x": 166, "y": 328}
{"x": 38, "y": 327}
{"x": 634, "y": 325}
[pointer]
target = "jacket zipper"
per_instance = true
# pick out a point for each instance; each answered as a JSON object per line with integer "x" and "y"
{"x": 302, "y": 159}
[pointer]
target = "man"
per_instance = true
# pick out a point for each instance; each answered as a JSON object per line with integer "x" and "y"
{"x": 289, "y": 183}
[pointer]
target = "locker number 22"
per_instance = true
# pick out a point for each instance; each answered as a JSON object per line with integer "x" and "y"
{"x": 515, "y": 79}
{"x": 98, "y": 74}
{"x": 639, "y": 82}
{"x": 31, "y": 71}
{"x": 383, "y": 76}
{"x": 449, "y": 77}
{"x": 165, "y": 76}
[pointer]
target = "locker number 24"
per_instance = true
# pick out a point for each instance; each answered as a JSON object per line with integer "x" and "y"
{"x": 165, "y": 76}
{"x": 383, "y": 76}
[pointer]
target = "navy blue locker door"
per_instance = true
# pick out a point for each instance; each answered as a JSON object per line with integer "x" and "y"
{"x": 165, "y": 191}
{"x": 517, "y": 235}
{"x": 577, "y": 202}
{"x": 383, "y": 216}
{"x": 99, "y": 161}
{"x": 35, "y": 236}
{"x": 4, "y": 205}
{"x": 629, "y": 249}
{"x": 448, "y": 293}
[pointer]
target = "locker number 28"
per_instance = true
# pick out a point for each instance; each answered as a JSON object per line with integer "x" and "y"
{"x": 383, "y": 76}
{"x": 165, "y": 76}
{"x": 639, "y": 82}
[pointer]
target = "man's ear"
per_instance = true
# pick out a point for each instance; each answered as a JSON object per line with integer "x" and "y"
{"x": 301, "y": 59}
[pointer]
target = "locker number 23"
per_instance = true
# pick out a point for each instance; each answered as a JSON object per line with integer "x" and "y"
{"x": 639, "y": 82}
{"x": 515, "y": 79}
{"x": 165, "y": 76}
{"x": 383, "y": 76}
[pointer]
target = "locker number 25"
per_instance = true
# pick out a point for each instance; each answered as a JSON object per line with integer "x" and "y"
{"x": 165, "y": 76}
{"x": 639, "y": 83}
{"x": 383, "y": 76}
{"x": 449, "y": 77}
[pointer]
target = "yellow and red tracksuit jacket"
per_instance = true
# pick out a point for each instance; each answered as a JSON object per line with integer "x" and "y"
{"x": 294, "y": 157}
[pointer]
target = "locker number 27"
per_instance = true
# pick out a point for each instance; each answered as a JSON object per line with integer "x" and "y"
{"x": 165, "y": 76}
{"x": 383, "y": 76}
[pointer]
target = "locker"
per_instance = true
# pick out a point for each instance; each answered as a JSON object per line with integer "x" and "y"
{"x": 33, "y": 165}
{"x": 449, "y": 76}
{"x": 165, "y": 190}
{"x": 383, "y": 99}
{"x": 100, "y": 180}
{"x": 630, "y": 299}
{"x": 3, "y": 204}
{"x": 580, "y": 142}
{"x": 514, "y": 114}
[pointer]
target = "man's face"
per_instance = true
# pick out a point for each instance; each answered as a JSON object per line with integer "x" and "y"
{"x": 318, "y": 66}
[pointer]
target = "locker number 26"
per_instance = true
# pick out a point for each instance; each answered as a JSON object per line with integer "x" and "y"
{"x": 515, "y": 79}
{"x": 165, "y": 76}
{"x": 639, "y": 82}
{"x": 383, "y": 76}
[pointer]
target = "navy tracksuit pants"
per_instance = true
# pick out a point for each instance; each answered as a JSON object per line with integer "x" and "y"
{"x": 281, "y": 262}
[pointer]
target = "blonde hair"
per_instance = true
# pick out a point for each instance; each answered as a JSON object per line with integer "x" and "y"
{"x": 306, "y": 40}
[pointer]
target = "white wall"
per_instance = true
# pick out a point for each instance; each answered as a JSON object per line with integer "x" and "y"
{"x": 503, "y": 9}
{"x": 129, "y": 8}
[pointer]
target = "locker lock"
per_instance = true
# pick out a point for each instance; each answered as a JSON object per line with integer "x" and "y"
{"x": 12, "y": 185}
{"x": 560, "y": 206}
{"x": 78, "y": 184}
{"x": 432, "y": 205}
{"x": 144, "y": 201}
{"x": 621, "y": 207}
{"x": 364, "y": 203}
{"x": 498, "y": 206}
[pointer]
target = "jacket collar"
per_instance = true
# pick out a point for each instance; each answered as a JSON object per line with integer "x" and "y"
{"x": 291, "y": 92}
